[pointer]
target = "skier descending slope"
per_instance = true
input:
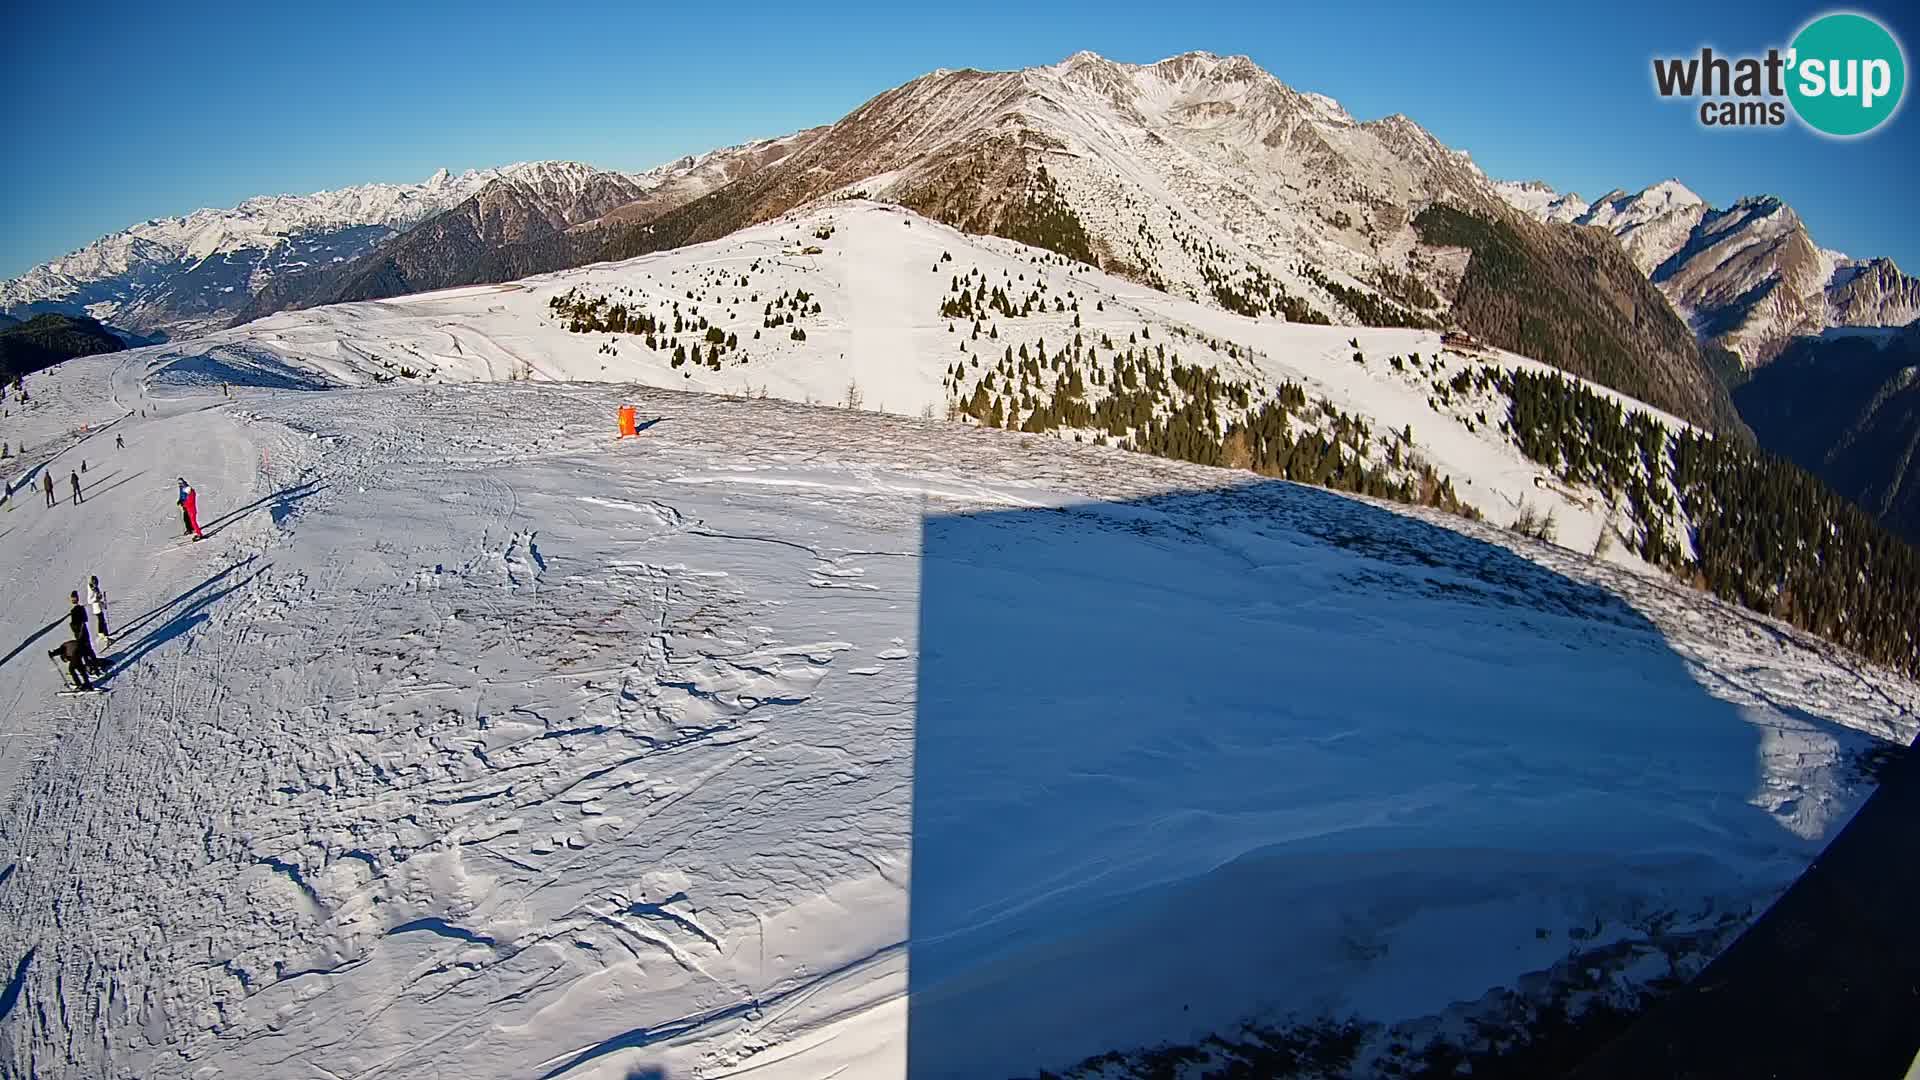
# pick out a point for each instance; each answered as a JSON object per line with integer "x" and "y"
{"x": 189, "y": 510}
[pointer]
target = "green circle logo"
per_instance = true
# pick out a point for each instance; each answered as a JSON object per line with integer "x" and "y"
{"x": 1848, "y": 74}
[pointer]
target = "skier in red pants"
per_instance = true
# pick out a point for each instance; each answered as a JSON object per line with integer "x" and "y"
{"x": 189, "y": 510}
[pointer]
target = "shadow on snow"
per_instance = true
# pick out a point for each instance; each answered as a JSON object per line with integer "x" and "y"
{"x": 1823, "y": 984}
{"x": 281, "y": 501}
{"x": 97, "y": 490}
{"x": 1211, "y": 755}
{"x": 184, "y": 612}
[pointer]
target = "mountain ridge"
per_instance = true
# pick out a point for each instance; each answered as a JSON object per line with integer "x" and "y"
{"x": 1749, "y": 277}
{"x": 200, "y": 271}
{"x": 122, "y": 277}
{"x": 1200, "y": 174}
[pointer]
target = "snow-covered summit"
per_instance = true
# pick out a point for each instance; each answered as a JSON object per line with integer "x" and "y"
{"x": 124, "y": 277}
{"x": 1539, "y": 199}
{"x": 1200, "y": 172}
{"x": 1620, "y": 212}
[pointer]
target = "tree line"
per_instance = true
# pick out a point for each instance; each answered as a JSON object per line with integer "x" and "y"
{"x": 1763, "y": 533}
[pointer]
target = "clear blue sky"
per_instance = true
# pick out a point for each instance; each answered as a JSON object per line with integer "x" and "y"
{"x": 120, "y": 111}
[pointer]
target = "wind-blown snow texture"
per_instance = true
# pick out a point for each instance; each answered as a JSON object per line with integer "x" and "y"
{"x": 475, "y": 742}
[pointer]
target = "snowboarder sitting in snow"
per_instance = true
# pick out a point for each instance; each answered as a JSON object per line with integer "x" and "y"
{"x": 189, "y": 509}
{"x": 71, "y": 654}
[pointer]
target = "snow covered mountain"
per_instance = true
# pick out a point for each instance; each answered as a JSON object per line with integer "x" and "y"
{"x": 177, "y": 276}
{"x": 1749, "y": 278}
{"x": 1206, "y": 177}
{"x": 1535, "y": 197}
{"x": 521, "y": 205}
{"x": 536, "y": 218}
{"x": 860, "y": 299}
{"x": 173, "y": 275}
{"x": 1200, "y": 175}
{"x": 1652, "y": 225}
{"x": 679, "y": 182}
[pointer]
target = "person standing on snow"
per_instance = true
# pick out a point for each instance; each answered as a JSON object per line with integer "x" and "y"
{"x": 190, "y": 510}
{"x": 119, "y": 442}
{"x": 74, "y": 480}
{"x": 77, "y": 619}
{"x": 46, "y": 481}
{"x": 97, "y": 600}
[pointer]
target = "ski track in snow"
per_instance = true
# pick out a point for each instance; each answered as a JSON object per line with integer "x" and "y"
{"x": 473, "y": 742}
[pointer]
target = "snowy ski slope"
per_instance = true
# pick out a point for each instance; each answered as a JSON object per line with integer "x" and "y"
{"x": 879, "y": 278}
{"x": 798, "y": 742}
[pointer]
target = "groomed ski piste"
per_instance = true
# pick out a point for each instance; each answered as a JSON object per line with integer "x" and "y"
{"x": 793, "y": 741}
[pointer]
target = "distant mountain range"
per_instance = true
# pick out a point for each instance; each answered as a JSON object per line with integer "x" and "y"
{"x": 1749, "y": 278}
{"x": 1201, "y": 175}
{"x": 174, "y": 276}
{"x": 508, "y": 227}
{"x": 1808, "y": 337}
